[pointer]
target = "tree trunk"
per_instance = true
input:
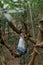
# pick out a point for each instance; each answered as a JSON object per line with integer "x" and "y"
{"x": 30, "y": 6}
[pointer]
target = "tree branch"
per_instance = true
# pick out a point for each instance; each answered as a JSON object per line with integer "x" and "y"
{"x": 39, "y": 45}
{"x": 32, "y": 61}
{"x": 33, "y": 40}
{"x": 34, "y": 54}
{"x": 14, "y": 28}
{"x": 29, "y": 37}
{"x": 18, "y": 32}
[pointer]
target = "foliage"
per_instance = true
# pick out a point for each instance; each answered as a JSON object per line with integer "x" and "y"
{"x": 36, "y": 11}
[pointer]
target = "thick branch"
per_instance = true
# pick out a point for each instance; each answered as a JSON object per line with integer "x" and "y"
{"x": 33, "y": 40}
{"x": 32, "y": 61}
{"x": 29, "y": 37}
{"x": 39, "y": 45}
{"x": 34, "y": 54}
{"x": 14, "y": 28}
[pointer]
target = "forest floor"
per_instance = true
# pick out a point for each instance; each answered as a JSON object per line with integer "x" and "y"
{"x": 6, "y": 58}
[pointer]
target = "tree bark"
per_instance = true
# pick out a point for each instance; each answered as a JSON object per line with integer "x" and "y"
{"x": 14, "y": 28}
{"x": 34, "y": 54}
{"x": 33, "y": 40}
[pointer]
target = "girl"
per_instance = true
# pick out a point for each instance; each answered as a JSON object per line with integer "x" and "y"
{"x": 21, "y": 44}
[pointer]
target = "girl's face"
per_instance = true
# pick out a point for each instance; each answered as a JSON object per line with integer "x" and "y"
{"x": 22, "y": 31}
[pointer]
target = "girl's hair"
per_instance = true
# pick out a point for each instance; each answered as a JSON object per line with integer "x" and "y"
{"x": 21, "y": 30}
